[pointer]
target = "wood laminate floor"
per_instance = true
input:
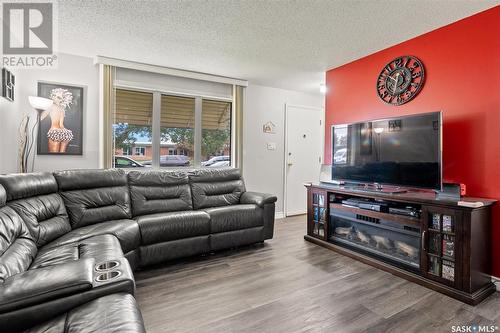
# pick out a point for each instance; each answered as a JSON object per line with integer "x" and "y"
{"x": 290, "y": 285}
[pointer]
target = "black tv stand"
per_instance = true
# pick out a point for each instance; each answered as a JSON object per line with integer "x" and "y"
{"x": 442, "y": 244}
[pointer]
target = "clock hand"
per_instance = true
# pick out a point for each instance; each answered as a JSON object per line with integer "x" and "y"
{"x": 395, "y": 83}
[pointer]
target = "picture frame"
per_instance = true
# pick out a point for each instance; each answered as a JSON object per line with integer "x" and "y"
{"x": 60, "y": 129}
{"x": 8, "y": 83}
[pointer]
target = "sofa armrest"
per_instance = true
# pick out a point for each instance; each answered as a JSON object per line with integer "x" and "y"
{"x": 259, "y": 199}
{"x": 45, "y": 284}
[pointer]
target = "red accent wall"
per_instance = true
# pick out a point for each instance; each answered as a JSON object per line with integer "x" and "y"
{"x": 462, "y": 63}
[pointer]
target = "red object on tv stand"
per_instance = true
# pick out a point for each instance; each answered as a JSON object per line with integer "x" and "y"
{"x": 463, "y": 188}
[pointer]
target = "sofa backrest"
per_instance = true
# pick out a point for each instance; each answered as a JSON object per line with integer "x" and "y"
{"x": 159, "y": 192}
{"x": 17, "y": 247}
{"x": 35, "y": 198}
{"x": 94, "y": 196}
{"x": 216, "y": 187}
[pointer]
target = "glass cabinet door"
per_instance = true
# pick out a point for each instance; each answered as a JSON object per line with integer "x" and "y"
{"x": 440, "y": 240}
{"x": 318, "y": 212}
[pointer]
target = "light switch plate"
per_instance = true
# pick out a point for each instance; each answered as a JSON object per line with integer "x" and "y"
{"x": 271, "y": 146}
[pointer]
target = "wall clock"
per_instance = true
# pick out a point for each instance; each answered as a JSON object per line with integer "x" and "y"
{"x": 400, "y": 80}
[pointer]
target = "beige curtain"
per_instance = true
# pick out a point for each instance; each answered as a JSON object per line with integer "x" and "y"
{"x": 109, "y": 97}
{"x": 239, "y": 96}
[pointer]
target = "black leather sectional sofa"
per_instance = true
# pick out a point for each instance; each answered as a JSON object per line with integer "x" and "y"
{"x": 70, "y": 241}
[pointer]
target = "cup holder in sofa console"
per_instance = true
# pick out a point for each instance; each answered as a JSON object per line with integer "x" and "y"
{"x": 107, "y": 265}
{"x": 107, "y": 276}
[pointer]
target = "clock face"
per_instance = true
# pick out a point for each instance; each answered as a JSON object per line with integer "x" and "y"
{"x": 400, "y": 80}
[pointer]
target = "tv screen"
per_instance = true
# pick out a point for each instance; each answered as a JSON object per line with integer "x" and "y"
{"x": 401, "y": 151}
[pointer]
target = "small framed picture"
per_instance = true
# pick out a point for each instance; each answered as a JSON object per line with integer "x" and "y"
{"x": 8, "y": 83}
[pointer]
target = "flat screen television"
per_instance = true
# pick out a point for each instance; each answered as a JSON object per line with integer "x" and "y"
{"x": 401, "y": 151}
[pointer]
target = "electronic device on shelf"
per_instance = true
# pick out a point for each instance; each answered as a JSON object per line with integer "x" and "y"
{"x": 407, "y": 211}
{"x": 366, "y": 204}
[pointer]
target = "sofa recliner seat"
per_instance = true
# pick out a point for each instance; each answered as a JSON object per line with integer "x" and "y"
{"x": 235, "y": 217}
{"x": 102, "y": 248}
{"x": 164, "y": 227}
{"x": 126, "y": 232}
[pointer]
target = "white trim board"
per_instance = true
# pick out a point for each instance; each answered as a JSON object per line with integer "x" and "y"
{"x": 279, "y": 215}
{"x": 168, "y": 71}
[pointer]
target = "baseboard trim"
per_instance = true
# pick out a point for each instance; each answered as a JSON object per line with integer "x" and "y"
{"x": 279, "y": 215}
{"x": 298, "y": 212}
{"x": 496, "y": 281}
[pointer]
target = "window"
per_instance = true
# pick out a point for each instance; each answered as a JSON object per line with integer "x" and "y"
{"x": 161, "y": 130}
{"x": 141, "y": 151}
{"x": 132, "y": 124}
{"x": 177, "y": 128}
{"x": 216, "y": 133}
{"x": 127, "y": 151}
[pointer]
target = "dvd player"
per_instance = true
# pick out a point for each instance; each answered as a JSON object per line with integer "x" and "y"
{"x": 366, "y": 204}
{"x": 408, "y": 211}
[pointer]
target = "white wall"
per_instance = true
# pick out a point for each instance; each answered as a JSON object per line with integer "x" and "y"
{"x": 73, "y": 70}
{"x": 264, "y": 169}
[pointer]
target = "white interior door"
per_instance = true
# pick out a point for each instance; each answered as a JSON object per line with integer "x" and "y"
{"x": 303, "y": 154}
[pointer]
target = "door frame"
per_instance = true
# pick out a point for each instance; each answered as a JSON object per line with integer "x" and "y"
{"x": 285, "y": 154}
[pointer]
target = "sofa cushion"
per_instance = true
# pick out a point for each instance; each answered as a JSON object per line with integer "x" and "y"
{"x": 34, "y": 197}
{"x": 94, "y": 196}
{"x": 235, "y": 217}
{"x": 3, "y": 196}
{"x": 17, "y": 247}
{"x": 115, "y": 313}
{"x": 159, "y": 192}
{"x": 127, "y": 232}
{"x": 101, "y": 248}
{"x": 216, "y": 187}
{"x": 44, "y": 215}
{"x": 90, "y": 178}
{"x": 26, "y": 185}
{"x": 164, "y": 227}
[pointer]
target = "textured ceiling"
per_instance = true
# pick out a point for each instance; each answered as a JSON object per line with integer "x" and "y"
{"x": 286, "y": 44}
